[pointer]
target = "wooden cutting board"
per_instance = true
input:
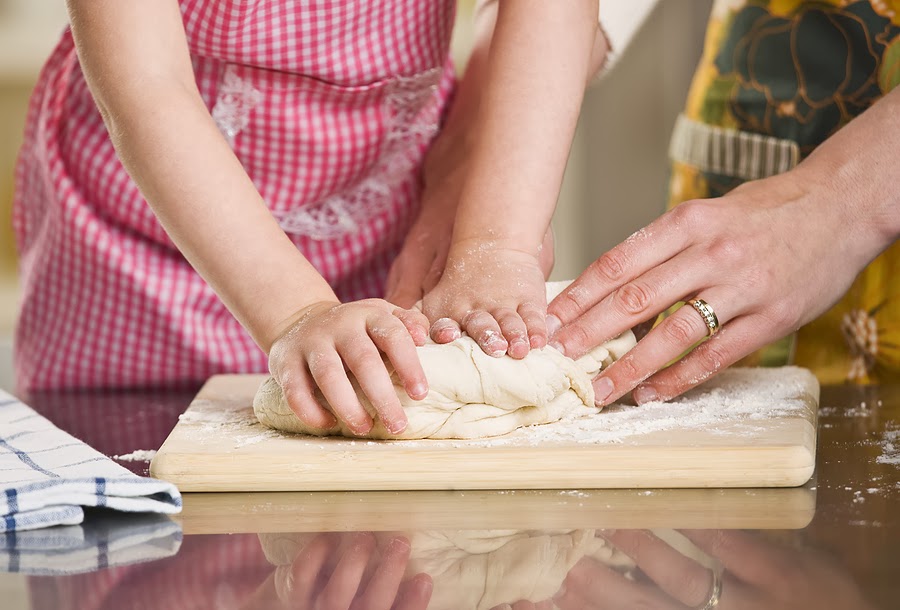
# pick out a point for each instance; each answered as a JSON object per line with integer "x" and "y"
{"x": 744, "y": 428}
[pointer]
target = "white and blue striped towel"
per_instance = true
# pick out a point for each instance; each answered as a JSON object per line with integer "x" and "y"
{"x": 47, "y": 475}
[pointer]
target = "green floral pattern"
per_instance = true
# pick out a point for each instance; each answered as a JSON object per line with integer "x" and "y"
{"x": 801, "y": 70}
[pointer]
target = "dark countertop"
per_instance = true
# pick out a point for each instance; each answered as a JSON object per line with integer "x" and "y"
{"x": 834, "y": 543}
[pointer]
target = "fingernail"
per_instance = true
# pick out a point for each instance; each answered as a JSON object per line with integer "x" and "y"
{"x": 497, "y": 348}
{"x": 645, "y": 394}
{"x": 519, "y": 345}
{"x": 553, "y": 324}
{"x": 399, "y": 545}
{"x": 420, "y": 389}
{"x": 603, "y": 387}
{"x": 557, "y": 346}
{"x": 397, "y": 427}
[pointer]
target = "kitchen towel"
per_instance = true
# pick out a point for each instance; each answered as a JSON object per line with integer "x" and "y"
{"x": 47, "y": 475}
{"x": 106, "y": 539}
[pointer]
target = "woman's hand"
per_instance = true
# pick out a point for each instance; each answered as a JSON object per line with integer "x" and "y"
{"x": 766, "y": 257}
{"x": 327, "y": 340}
{"x": 769, "y": 257}
{"x": 757, "y": 574}
{"x": 495, "y": 294}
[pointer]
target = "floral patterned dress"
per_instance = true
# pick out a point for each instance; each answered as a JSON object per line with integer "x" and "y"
{"x": 776, "y": 79}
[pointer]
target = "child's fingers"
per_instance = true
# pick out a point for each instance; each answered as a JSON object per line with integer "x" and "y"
{"x": 481, "y": 326}
{"x": 328, "y": 372}
{"x": 536, "y": 321}
{"x": 344, "y": 583}
{"x": 414, "y": 593}
{"x": 301, "y": 398}
{"x": 395, "y": 342}
{"x": 364, "y": 361}
{"x": 445, "y": 330}
{"x": 382, "y": 588}
{"x": 513, "y": 328}
{"x": 299, "y": 586}
{"x": 416, "y": 324}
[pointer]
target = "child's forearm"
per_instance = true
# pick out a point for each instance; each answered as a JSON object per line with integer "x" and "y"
{"x": 540, "y": 55}
{"x": 169, "y": 144}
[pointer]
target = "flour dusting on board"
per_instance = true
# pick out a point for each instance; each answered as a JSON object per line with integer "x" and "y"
{"x": 736, "y": 402}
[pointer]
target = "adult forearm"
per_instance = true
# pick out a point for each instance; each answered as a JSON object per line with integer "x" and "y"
{"x": 857, "y": 170}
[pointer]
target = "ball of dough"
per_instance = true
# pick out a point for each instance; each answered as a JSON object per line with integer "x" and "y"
{"x": 471, "y": 394}
{"x": 480, "y": 569}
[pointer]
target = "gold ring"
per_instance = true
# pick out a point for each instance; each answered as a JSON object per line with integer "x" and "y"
{"x": 715, "y": 592}
{"x": 708, "y": 314}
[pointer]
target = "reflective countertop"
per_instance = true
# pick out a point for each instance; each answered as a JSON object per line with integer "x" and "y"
{"x": 834, "y": 543}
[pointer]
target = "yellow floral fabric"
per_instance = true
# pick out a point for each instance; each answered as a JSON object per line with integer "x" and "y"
{"x": 801, "y": 70}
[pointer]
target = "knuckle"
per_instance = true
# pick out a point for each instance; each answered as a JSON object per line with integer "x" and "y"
{"x": 712, "y": 357}
{"x": 634, "y": 299}
{"x": 611, "y": 265}
{"x": 728, "y": 250}
{"x": 682, "y": 330}
{"x": 577, "y": 338}
{"x": 627, "y": 369}
{"x": 693, "y": 214}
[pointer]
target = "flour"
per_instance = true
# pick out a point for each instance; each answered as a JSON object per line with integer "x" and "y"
{"x": 890, "y": 448}
{"x": 141, "y": 455}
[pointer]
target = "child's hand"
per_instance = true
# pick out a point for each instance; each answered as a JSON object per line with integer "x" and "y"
{"x": 328, "y": 340}
{"x": 495, "y": 294}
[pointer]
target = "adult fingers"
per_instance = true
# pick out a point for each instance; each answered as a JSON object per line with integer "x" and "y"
{"x": 364, "y": 361}
{"x": 414, "y": 593}
{"x": 327, "y": 370}
{"x": 381, "y": 592}
{"x": 735, "y": 340}
{"x": 299, "y": 392}
{"x": 744, "y": 555}
{"x": 484, "y": 329}
{"x": 680, "y": 577}
{"x": 636, "y": 301}
{"x": 343, "y": 585}
{"x": 394, "y": 340}
{"x": 636, "y": 255}
{"x": 604, "y": 587}
{"x": 669, "y": 340}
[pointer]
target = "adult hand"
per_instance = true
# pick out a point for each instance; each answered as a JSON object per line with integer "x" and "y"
{"x": 327, "y": 337}
{"x": 763, "y": 257}
{"x": 757, "y": 575}
{"x": 494, "y": 293}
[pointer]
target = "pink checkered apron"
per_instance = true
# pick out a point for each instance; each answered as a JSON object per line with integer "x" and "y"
{"x": 329, "y": 105}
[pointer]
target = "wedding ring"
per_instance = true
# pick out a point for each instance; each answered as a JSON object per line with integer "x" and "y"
{"x": 715, "y": 592}
{"x": 708, "y": 314}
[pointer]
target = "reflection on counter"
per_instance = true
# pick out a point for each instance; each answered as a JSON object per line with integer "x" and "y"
{"x": 105, "y": 539}
{"x": 470, "y": 569}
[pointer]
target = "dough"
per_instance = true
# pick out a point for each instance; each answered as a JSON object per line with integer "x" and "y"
{"x": 471, "y": 394}
{"x": 477, "y": 569}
